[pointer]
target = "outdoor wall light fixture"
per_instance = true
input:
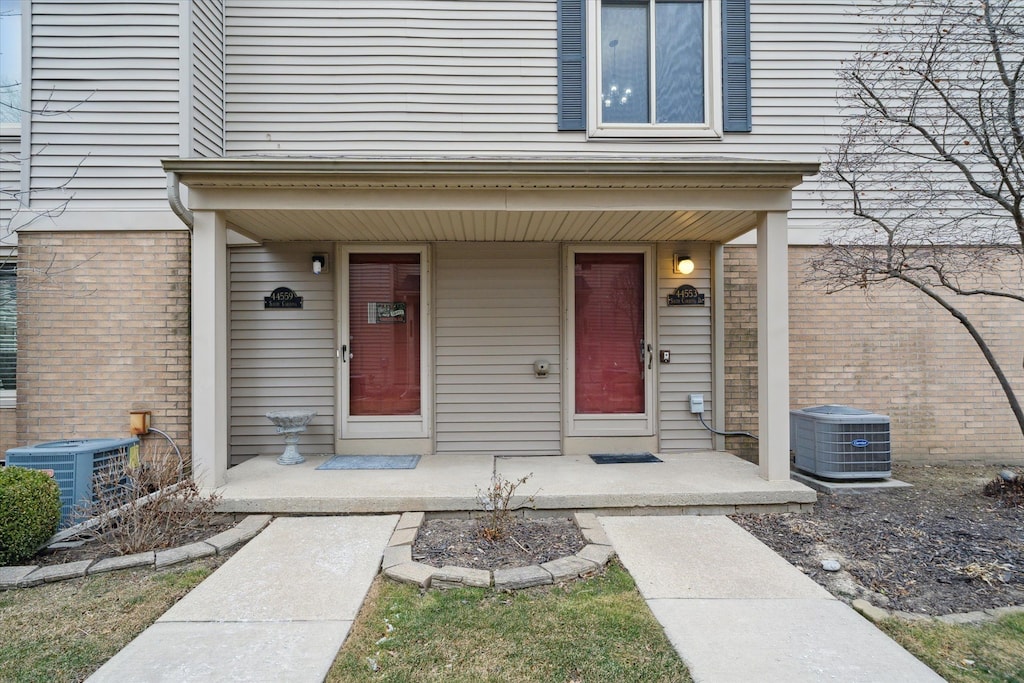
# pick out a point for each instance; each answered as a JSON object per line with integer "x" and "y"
{"x": 683, "y": 264}
{"x": 319, "y": 263}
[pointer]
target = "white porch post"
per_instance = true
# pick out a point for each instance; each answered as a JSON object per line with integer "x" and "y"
{"x": 209, "y": 350}
{"x": 773, "y": 345}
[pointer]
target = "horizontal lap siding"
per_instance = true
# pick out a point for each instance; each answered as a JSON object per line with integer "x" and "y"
{"x": 497, "y": 312}
{"x": 448, "y": 77}
{"x": 685, "y": 331}
{"x": 207, "y": 78}
{"x": 280, "y": 358}
{"x": 107, "y": 76}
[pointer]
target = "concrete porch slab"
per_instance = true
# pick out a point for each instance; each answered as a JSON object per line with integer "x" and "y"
{"x": 695, "y": 482}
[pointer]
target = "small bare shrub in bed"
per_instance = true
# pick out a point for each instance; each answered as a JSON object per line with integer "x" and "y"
{"x": 146, "y": 507}
{"x": 1007, "y": 488}
{"x": 496, "y": 500}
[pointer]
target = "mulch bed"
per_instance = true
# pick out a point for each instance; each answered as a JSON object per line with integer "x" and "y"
{"x": 97, "y": 550}
{"x": 940, "y": 547}
{"x": 461, "y": 543}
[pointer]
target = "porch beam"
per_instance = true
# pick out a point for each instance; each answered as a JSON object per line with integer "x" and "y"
{"x": 487, "y": 199}
{"x": 209, "y": 350}
{"x": 773, "y": 345}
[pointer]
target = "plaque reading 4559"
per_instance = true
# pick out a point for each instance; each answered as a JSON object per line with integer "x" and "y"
{"x": 282, "y": 297}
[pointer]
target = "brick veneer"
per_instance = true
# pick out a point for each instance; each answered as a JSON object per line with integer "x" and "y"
{"x": 109, "y": 334}
{"x": 8, "y": 435}
{"x": 888, "y": 350}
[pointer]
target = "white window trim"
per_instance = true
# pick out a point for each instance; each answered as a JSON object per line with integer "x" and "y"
{"x": 634, "y": 424}
{"x": 711, "y": 129}
{"x": 386, "y": 426}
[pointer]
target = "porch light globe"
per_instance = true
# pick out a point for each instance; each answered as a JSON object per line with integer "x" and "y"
{"x": 684, "y": 265}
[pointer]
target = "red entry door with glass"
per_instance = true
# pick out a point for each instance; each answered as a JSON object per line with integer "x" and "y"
{"x": 383, "y": 348}
{"x": 609, "y": 333}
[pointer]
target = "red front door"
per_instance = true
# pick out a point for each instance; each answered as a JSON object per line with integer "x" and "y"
{"x": 384, "y": 334}
{"x": 609, "y": 333}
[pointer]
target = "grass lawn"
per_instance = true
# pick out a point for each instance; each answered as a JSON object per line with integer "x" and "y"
{"x": 960, "y": 654}
{"x": 65, "y": 631}
{"x": 595, "y": 630}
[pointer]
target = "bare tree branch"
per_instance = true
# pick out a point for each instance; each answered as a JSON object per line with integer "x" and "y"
{"x": 931, "y": 160}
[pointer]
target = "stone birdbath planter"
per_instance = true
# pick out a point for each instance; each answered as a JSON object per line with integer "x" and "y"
{"x": 291, "y": 423}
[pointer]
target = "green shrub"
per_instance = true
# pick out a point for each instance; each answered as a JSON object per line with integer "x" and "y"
{"x": 29, "y": 512}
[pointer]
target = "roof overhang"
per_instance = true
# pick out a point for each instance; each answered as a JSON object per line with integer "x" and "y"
{"x": 493, "y": 199}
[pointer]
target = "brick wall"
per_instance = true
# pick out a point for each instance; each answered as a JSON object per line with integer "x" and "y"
{"x": 888, "y": 350}
{"x": 8, "y": 434}
{"x": 103, "y": 330}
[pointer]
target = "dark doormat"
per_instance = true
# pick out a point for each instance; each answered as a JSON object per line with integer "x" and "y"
{"x": 617, "y": 458}
{"x": 371, "y": 462}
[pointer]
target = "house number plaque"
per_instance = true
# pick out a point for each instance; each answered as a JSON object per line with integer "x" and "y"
{"x": 686, "y": 295}
{"x": 282, "y": 297}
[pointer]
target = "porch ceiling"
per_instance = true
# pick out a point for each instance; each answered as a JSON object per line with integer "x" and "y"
{"x": 428, "y": 200}
{"x": 486, "y": 226}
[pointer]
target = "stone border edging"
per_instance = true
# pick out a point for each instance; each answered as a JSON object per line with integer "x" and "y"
{"x": 877, "y": 614}
{"x": 34, "y": 575}
{"x": 398, "y": 565}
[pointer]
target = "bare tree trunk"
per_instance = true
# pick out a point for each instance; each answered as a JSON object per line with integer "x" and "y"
{"x": 993, "y": 363}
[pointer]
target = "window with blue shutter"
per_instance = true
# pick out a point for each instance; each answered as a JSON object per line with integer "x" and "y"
{"x": 736, "y": 66}
{"x": 572, "y": 65}
{"x": 656, "y": 67}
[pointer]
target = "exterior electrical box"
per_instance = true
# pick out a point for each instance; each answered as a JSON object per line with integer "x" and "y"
{"x": 839, "y": 442}
{"x": 74, "y": 465}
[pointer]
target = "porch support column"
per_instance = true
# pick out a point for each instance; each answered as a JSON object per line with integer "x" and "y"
{"x": 773, "y": 345}
{"x": 209, "y": 350}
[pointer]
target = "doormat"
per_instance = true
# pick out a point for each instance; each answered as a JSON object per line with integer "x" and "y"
{"x": 617, "y": 458}
{"x": 371, "y": 462}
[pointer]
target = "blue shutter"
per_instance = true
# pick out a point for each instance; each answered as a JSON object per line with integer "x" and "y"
{"x": 572, "y": 65}
{"x": 736, "y": 65}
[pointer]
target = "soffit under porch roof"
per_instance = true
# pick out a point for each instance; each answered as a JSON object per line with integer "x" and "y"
{"x": 507, "y": 199}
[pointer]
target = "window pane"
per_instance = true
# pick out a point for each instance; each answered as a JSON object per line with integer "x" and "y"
{"x": 10, "y": 61}
{"x": 625, "y": 86}
{"x": 8, "y": 320}
{"x": 679, "y": 61}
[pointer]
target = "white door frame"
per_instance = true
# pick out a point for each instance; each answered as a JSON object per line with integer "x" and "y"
{"x": 633, "y": 424}
{"x": 393, "y": 426}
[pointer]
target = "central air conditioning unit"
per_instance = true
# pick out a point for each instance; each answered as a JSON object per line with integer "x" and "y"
{"x": 77, "y": 467}
{"x": 839, "y": 442}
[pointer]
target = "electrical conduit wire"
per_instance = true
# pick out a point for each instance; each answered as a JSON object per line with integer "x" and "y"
{"x": 715, "y": 431}
{"x": 181, "y": 461}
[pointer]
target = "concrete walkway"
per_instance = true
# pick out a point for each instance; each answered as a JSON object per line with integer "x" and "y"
{"x": 736, "y": 611}
{"x": 278, "y": 610}
{"x": 281, "y": 607}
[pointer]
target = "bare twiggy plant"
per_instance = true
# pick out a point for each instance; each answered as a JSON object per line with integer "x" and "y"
{"x": 497, "y": 501}
{"x": 146, "y": 506}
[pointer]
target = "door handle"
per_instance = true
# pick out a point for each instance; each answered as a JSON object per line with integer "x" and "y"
{"x": 650, "y": 356}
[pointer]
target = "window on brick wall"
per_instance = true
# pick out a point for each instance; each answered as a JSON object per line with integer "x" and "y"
{"x": 8, "y": 332}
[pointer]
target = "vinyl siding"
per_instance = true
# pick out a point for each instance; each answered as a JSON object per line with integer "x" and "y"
{"x": 10, "y": 177}
{"x": 497, "y": 311}
{"x": 280, "y": 358}
{"x": 686, "y": 332}
{"x": 444, "y": 77}
{"x": 207, "y": 78}
{"x": 107, "y": 76}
